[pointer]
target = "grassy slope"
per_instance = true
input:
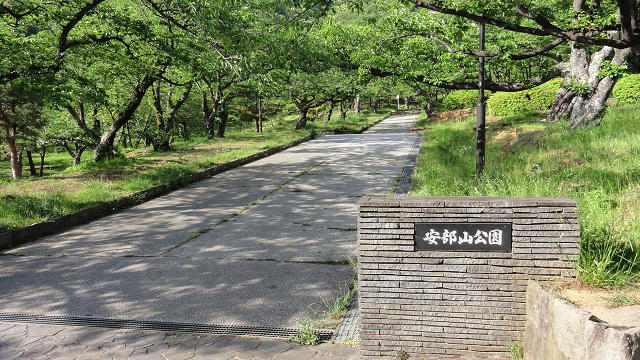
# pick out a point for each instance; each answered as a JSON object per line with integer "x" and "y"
{"x": 67, "y": 188}
{"x": 599, "y": 167}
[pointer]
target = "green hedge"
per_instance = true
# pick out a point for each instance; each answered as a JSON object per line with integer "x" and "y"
{"x": 538, "y": 98}
{"x": 627, "y": 89}
{"x": 460, "y": 99}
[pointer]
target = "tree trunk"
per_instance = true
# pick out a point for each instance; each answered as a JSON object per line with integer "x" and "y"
{"x": 43, "y": 153}
{"x": 260, "y": 117}
{"x": 105, "y": 148}
{"x": 332, "y": 105}
{"x": 582, "y": 97}
{"x": 77, "y": 158}
{"x": 343, "y": 111}
{"x": 301, "y": 123}
{"x": 15, "y": 157}
{"x": 184, "y": 131}
{"x": 356, "y": 105}
{"x": 32, "y": 166}
{"x": 224, "y": 116}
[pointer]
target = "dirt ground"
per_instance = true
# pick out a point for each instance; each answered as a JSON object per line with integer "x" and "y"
{"x": 616, "y": 307}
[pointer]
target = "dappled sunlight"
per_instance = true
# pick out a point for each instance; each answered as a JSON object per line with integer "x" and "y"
{"x": 198, "y": 254}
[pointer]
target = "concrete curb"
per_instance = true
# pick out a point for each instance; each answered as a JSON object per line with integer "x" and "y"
{"x": 13, "y": 238}
{"x": 556, "y": 329}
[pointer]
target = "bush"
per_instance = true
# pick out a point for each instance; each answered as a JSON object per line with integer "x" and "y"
{"x": 627, "y": 89}
{"x": 460, "y": 99}
{"x": 538, "y": 98}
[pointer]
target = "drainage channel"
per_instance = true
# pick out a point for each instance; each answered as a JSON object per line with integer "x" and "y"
{"x": 192, "y": 328}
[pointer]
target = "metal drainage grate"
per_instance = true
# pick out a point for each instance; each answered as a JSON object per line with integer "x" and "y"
{"x": 193, "y": 328}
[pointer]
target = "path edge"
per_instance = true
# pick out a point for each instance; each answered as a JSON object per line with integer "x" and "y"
{"x": 17, "y": 237}
{"x": 14, "y": 238}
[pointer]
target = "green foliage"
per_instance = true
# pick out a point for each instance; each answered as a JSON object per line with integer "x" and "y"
{"x": 460, "y": 99}
{"x": 627, "y": 89}
{"x": 516, "y": 351}
{"x": 307, "y": 335}
{"x": 595, "y": 166}
{"x": 607, "y": 68}
{"x": 538, "y": 98}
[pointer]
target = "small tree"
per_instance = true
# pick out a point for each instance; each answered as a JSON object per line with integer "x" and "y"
{"x": 20, "y": 117}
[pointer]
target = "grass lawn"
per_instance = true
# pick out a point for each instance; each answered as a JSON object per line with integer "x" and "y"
{"x": 65, "y": 188}
{"x": 598, "y": 167}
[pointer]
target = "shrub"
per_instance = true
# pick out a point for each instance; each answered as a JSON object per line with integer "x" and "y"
{"x": 627, "y": 89}
{"x": 460, "y": 99}
{"x": 538, "y": 98}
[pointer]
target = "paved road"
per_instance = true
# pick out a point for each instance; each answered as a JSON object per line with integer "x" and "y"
{"x": 252, "y": 246}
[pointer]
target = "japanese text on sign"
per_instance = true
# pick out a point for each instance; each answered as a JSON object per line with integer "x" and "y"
{"x": 463, "y": 237}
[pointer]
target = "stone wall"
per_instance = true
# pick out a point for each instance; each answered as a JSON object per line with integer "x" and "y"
{"x": 463, "y": 305}
{"x": 558, "y": 330}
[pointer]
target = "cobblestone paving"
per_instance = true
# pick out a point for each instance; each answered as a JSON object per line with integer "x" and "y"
{"x": 349, "y": 330}
{"x": 30, "y": 341}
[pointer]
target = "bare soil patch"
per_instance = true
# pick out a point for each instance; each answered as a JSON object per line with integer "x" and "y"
{"x": 615, "y": 306}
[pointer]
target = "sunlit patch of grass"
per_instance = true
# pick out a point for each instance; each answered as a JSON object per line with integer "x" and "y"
{"x": 66, "y": 188}
{"x": 598, "y": 167}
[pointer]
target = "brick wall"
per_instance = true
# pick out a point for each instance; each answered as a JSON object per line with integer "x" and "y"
{"x": 463, "y": 305}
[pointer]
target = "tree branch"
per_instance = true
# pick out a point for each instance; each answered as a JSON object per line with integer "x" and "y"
{"x": 589, "y": 37}
{"x": 471, "y": 85}
{"x": 63, "y": 39}
{"x": 527, "y": 55}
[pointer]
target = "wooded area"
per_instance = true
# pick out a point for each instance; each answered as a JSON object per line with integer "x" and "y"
{"x": 80, "y": 75}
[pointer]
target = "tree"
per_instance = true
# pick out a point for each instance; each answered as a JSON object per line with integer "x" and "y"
{"x": 609, "y": 26}
{"x": 20, "y": 117}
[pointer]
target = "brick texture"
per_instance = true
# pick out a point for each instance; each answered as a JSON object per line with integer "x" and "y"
{"x": 459, "y": 305}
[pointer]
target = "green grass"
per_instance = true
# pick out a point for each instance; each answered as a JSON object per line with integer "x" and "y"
{"x": 352, "y": 123}
{"x": 617, "y": 300}
{"x": 516, "y": 351}
{"x": 307, "y": 335}
{"x": 65, "y": 188}
{"x": 598, "y": 167}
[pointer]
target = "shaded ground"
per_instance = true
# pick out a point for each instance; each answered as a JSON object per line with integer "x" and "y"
{"x": 246, "y": 247}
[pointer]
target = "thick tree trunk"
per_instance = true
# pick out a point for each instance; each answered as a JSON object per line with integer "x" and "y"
{"x": 582, "y": 97}
{"x": 32, "y": 166}
{"x": 301, "y": 123}
{"x": 222, "y": 127}
{"x": 105, "y": 148}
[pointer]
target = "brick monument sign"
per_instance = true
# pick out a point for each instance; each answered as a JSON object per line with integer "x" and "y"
{"x": 445, "y": 277}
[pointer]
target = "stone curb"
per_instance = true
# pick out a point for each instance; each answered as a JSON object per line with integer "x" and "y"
{"x": 13, "y": 238}
{"x": 557, "y": 329}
